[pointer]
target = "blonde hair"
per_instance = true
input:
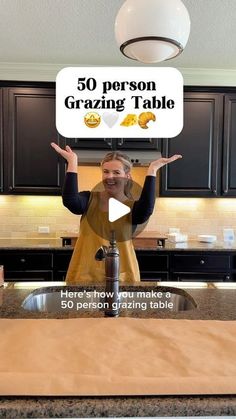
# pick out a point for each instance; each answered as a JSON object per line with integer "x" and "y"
{"x": 125, "y": 160}
{"x": 118, "y": 155}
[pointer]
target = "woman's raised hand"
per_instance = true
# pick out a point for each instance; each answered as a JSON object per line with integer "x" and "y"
{"x": 69, "y": 155}
{"x": 157, "y": 164}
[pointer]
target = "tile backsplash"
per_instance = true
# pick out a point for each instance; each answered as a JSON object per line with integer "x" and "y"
{"x": 22, "y": 215}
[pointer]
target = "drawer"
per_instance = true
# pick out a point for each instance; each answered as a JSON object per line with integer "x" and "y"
{"x": 150, "y": 261}
{"x": 26, "y": 261}
{"x": 201, "y": 263}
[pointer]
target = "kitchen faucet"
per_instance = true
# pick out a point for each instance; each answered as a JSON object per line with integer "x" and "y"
{"x": 112, "y": 269}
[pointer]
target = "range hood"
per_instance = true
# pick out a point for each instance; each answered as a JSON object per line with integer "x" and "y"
{"x": 138, "y": 158}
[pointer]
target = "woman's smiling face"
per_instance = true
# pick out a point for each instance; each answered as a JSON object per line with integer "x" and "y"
{"x": 114, "y": 176}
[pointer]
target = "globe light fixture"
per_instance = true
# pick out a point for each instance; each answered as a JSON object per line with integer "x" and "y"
{"x": 152, "y": 31}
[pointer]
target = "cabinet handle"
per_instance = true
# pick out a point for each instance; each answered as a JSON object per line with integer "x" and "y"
{"x": 225, "y": 190}
{"x": 227, "y": 277}
{"x": 120, "y": 142}
{"x": 22, "y": 260}
{"x": 108, "y": 141}
{"x": 214, "y": 191}
{"x": 202, "y": 262}
{"x": 10, "y": 188}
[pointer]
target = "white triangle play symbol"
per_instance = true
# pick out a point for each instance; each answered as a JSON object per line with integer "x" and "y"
{"x": 116, "y": 209}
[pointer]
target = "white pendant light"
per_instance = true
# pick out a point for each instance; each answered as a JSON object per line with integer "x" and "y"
{"x": 151, "y": 31}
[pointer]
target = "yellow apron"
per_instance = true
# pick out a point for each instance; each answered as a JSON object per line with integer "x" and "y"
{"x": 83, "y": 266}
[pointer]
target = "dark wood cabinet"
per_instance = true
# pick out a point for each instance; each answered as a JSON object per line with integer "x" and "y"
{"x": 32, "y": 166}
{"x": 198, "y": 173}
{"x": 61, "y": 260}
{"x": 1, "y": 140}
{"x": 153, "y": 266}
{"x": 201, "y": 266}
{"x": 27, "y": 265}
{"x": 207, "y": 143}
{"x": 191, "y": 266}
{"x": 229, "y": 146}
{"x": 28, "y": 165}
{"x": 35, "y": 265}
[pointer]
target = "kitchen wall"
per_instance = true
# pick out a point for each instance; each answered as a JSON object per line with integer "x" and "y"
{"x": 21, "y": 215}
{"x": 48, "y": 72}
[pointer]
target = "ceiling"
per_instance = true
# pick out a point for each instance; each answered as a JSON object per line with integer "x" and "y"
{"x": 81, "y": 32}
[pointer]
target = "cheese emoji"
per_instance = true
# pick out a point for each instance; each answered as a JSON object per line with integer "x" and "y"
{"x": 130, "y": 119}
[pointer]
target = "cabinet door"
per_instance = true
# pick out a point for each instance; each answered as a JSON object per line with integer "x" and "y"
{"x": 201, "y": 262}
{"x": 198, "y": 173}
{"x": 153, "y": 267}
{"x": 29, "y": 266}
{"x": 33, "y": 167}
{"x": 1, "y": 142}
{"x": 200, "y": 266}
{"x": 229, "y": 147}
{"x": 137, "y": 143}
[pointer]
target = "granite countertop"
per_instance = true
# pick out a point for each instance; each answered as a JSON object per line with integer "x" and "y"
{"x": 143, "y": 243}
{"x": 31, "y": 244}
{"x": 211, "y": 304}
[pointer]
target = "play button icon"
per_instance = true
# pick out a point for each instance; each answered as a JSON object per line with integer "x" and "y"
{"x": 114, "y": 215}
{"x": 116, "y": 209}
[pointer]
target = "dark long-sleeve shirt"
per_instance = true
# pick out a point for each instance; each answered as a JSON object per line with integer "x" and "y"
{"x": 77, "y": 202}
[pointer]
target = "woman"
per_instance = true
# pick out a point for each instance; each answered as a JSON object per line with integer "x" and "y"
{"x": 116, "y": 177}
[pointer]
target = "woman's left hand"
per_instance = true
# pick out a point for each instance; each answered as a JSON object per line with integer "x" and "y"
{"x": 157, "y": 164}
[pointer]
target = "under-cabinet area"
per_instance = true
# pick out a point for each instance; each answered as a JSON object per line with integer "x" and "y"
{"x": 155, "y": 265}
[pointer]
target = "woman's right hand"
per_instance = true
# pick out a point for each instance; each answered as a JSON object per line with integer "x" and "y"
{"x": 69, "y": 155}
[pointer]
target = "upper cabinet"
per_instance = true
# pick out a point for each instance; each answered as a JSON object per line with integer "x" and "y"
{"x": 31, "y": 165}
{"x": 1, "y": 142}
{"x": 206, "y": 143}
{"x": 28, "y": 164}
{"x": 229, "y": 146}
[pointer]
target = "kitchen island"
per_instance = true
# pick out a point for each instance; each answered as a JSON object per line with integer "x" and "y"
{"x": 212, "y": 303}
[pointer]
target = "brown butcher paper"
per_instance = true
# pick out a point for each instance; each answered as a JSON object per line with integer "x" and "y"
{"x": 117, "y": 356}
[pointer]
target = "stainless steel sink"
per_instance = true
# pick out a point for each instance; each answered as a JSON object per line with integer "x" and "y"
{"x": 82, "y": 300}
